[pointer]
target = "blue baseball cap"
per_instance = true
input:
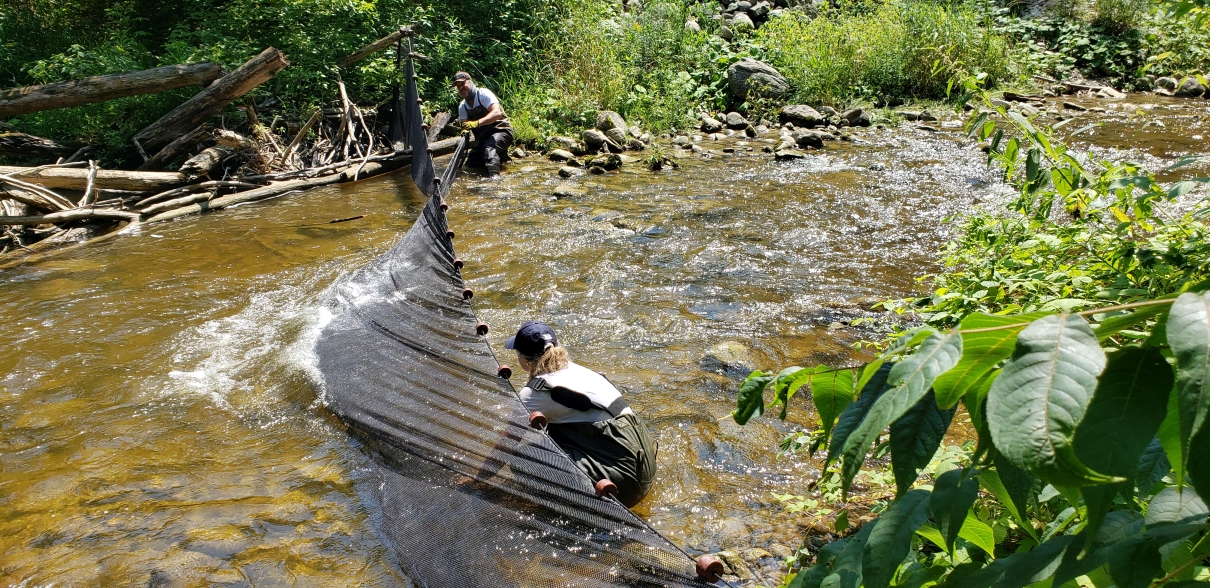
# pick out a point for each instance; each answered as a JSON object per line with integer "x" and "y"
{"x": 532, "y": 339}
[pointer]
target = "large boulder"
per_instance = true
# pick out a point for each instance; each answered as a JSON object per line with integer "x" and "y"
{"x": 1190, "y": 87}
{"x": 608, "y": 119}
{"x": 800, "y": 115}
{"x": 736, "y": 120}
{"x": 856, "y": 117}
{"x": 594, "y": 139}
{"x": 742, "y": 22}
{"x": 749, "y": 76}
{"x": 760, "y": 9}
{"x": 725, "y": 33}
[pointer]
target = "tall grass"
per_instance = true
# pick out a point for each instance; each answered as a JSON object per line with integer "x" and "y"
{"x": 900, "y": 49}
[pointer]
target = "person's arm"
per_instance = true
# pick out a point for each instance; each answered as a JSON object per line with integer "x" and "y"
{"x": 494, "y": 114}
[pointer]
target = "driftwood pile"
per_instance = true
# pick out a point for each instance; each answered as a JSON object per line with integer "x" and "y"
{"x": 73, "y": 199}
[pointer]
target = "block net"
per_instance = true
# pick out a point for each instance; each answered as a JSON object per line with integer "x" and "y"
{"x": 470, "y": 494}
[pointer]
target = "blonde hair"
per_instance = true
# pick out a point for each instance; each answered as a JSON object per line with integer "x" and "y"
{"x": 552, "y": 360}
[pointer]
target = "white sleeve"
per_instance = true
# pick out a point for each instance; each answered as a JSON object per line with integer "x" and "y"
{"x": 487, "y": 97}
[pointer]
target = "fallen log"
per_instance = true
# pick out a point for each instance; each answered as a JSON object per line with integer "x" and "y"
{"x": 213, "y": 99}
{"x": 23, "y": 145}
{"x": 29, "y": 99}
{"x": 30, "y": 198}
{"x": 107, "y": 179}
{"x": 203, "y": 163}
{"x": 175, "y": 203}
{"x": 442, "y": 147}
{"x": 75, "y": 214}
{"x": 374, "y": 47}
{"x": 193, "y": 188}
{"x": 175, "y": 148}
{"x": 437, "y": 125}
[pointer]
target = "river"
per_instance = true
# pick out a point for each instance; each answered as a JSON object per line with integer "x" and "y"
{"x": 159, "y": 424}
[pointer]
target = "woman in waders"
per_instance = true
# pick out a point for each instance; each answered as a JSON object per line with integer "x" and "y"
{"x": 586, "y": 415}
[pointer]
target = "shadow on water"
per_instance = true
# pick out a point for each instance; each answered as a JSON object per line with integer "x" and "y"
{"x": 157, "y": 416}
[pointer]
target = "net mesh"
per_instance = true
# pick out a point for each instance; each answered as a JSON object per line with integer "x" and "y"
{"x": 470, "y": 494}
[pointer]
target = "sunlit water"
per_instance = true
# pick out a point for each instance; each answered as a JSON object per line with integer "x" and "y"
{"x": 159, "y": 423}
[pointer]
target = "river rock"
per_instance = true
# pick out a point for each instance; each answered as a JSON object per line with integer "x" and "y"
{"x": 616, "y": 135}
{"x": 734, "y": 565}
{"x": 645, "y": 138}
{"x": 800, "y": 115}
{"x": 1074, "y": 106}
{"x": 928, "y": 116}
{"x": 560, "y": 155}
{"x": 760, "y": 9}
{"x": 785, "y": 144}
{"x": 743, "y": 6}
{"x": 1166, "y": 83}
{"x": 856, "y": 117}
{"x": 998, "y": 103}
{"x": 809, "y": 139}
{"x": 709, "y": 123}
{"x": 725, "y": 33}
{"x": 608, "y": 119}
{"x": 736, "y": 120}
{"x": 788, "y": 154}
{"x": 1108, "y": 92}
{"x": 607, "y": 161}
{"x": 559, "y": 142}
{"x": 742, "y": 22}
{"x": 568, "y": 191}
{"x": 635, "y": 131}
{"x": 635, "y": 144}
{"x": 909, "y": 114}
{"x": 731, "y": 358}
{"x": 680, "y": 140}
{"x": 692, "y": 26}
{"x": 1189, "y": 87}
{"x": 749, "y": 76}
{"x": 570, "y": 172}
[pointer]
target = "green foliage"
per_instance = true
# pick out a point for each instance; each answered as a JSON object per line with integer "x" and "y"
{"x": 1092, "y": 425}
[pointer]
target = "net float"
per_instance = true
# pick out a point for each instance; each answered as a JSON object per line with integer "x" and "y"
{"x": 467, "y": 293}
{"x": 481, "y": 328}
{"x": 605, "y": 487}
{"x": 504, "y": 371}
{"x": 537, "y": 420}
{"x": 709, "y": 568}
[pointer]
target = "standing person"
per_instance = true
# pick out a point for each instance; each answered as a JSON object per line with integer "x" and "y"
{"x": 586, "y": 415}
{"x": 481, "y": 113}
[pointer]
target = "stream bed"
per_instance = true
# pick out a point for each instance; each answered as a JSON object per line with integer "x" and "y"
{"x": 159, "y": 422}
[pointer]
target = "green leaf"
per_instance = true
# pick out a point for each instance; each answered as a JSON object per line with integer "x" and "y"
{"x": 751, "y": 401}
{"x": 1170, "y": 438}
{"x": 978, "y": 533}
{"x": 981, "y": 352}
{"x": 1189, "y": 337}
{"x": 854, "y": 413}
{"x": 1097, "y": 502}
{"x": 787, "y": 382}
{"x": 1036, "y": 564}
{"x": 1116, "y": 324}
{"x": 1033, "y": 408}
{"x": 848, "y": 564}
{"x": 1020, "y": 487}
{"x": 892, "y": 539}
{"x": 1126, "y": 410}
{"x": 953, "y": 495}
{"x": 915, "y": 437}
{"x": 1136, "y": 561}
{"x": 832, "y": 392}
{"x": 1153, "y": 466}
{"x": 909, "y": 380}
{"x": 1176, "y": 505}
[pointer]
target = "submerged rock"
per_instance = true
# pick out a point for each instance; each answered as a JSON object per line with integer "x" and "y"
{"x": 731, "y": 358}
{"x": 568, "y": 191}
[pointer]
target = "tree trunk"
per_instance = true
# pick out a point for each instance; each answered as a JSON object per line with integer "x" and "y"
{"x": 28, "y": 99}
{"x": 23, "y": 145}
{"x": 213, "y": 99}
{"x": 438, "y": 124}
{"x": 176, "y": 147}
{"x": 374, "y": 47}
{"x": 107, "y": 179}
{"x": 70, "y": 215}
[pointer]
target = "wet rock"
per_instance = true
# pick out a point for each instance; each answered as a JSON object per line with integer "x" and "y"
{"x": 608, "y": 161}
{"x": 596, "y": 140}
{"x": 569, "y": 190}
{"x": 608, "y": 119}
{"x": 809, "y": 139}
{"x": 519, "y": 153}
{"x": 709, "y": 123}
{"x": 782, "y": 551}
{"x": 829, "y": 111}
{"x": 716, "y": 136}
{"x": 998, "y": 103}
{"x": 909, "y": 114}
{"x": 736, "y": 120}
{"x": 1027, "y": 110}
{"x": 749, "y": 76}
{"x": 800, "y": 115}
{"x": 761, "y": 129}
{"x": 635, "y": 144}
{"x": 697, "y": 149}
{"x": 692, "y": 26}
{"x": 754, "y": 554}
{"x": 566, "y": 143}
{"x": 1107, "y": 92}
{"x": 645, "y": 138}
{"x": 786, "y": 145}
{"x": 742, "y": 22}
{"x": 1162, "y": 92}
{"x": 1166, "y": 83}
{"x": 570, "y": 172}
{"x": 927, "y": 116}
{"x": 1189, "y": 87}
{"x": 560, "y": 155}
{"x": 616, "y": 135}
{"x": 735, "y": 565}
{"x": 728, "y": 149}
{"x": 731, "y": 358}
{"x": 1074, "y": 106}
{"x": 680, "y": 140}
{"x": 856, "y": 117}
{"x": 597, "y": 170}
{"x": 788, "y": 154}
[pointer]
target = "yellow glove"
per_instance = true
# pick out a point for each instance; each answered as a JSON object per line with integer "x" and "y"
{"x": 470, "y": 124}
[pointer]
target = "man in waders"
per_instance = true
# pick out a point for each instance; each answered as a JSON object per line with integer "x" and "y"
{"x": 586, "y": 415}
{"x": 481, "y": 113}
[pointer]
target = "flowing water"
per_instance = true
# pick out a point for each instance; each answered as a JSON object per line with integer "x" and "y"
{"x": 158, "y": 419}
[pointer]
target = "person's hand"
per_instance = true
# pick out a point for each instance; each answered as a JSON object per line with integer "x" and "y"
{"x": 470, "y": 124}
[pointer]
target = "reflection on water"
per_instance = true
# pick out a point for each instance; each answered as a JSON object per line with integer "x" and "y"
{"x": 158, "y": 421}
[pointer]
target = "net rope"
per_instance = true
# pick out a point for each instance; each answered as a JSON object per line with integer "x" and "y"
{"x": 470, "y": 494}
